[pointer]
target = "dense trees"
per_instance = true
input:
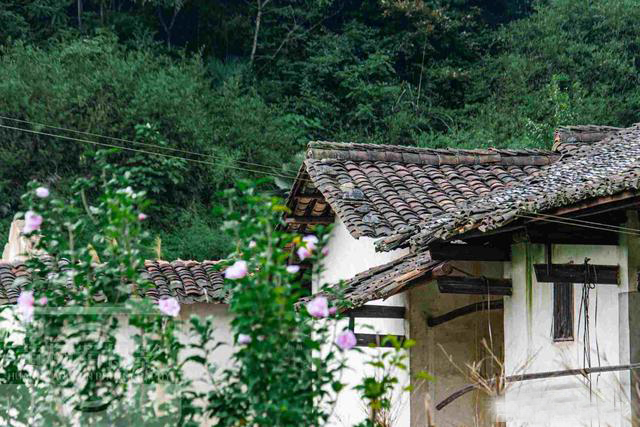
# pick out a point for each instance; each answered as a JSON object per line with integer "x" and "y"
{"x": 210, "y": 77}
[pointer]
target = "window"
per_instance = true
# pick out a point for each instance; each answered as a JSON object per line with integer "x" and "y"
{"x": 563, "y": 312}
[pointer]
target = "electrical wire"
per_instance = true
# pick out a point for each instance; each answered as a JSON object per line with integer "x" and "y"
{"x": 580, "y": 225}
{"x": 103, "y": 144}
{"x": 617, "y": 227}
{"x": 145, "y": 144}
{"x": 536, "y": 216}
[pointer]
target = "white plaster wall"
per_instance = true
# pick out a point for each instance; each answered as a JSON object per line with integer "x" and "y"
{"x": 529, "y": 347}
{"x": 347, "y": 257}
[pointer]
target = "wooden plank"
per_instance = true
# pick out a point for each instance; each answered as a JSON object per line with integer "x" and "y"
{"x": 462, "y": 252}
{"x": 574, "y": 273}
{"x": 364, "y": 340}
{"x": 467, "y": 309}
{"x": 309, "y": 220}
{"x": 474, "y": 285}
{"x": 378, "y": 311}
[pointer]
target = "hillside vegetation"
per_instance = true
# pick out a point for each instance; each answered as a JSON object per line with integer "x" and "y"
{"x": 201, "y": 76}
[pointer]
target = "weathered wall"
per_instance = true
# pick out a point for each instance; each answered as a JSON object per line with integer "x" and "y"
{"x": 347, "y": 257}
{"x": 629, "y": 314}
{"x": 447, "y": 350}
{"x": 17, "y": 246}
{"x": 530, "y": 348}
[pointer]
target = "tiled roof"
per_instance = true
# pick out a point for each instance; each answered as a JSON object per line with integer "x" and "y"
{"x": 188, "y": 281}
{"x": 592, "y": 170}
{"x": 414, "y": 196}
{"x": 568, "y": 139}
{"x": 388, "y": 279}
{"x": 381, "y": 190}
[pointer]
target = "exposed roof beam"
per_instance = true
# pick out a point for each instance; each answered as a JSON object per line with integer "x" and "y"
{"x": 474, "y": 285}
{"x": 575, "y": 273}
{"x": 377, "y": 311}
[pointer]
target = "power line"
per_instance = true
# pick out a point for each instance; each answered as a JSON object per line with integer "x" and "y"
{"x": 585, "y": 222}
{"x": 637, "y": 233}
{"x": 145, "y": 144}
{"x": 137, "y": 150}
{"x": 543, "y": 217}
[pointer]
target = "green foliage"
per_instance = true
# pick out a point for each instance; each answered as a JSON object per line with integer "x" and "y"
{"x": 569, "y": 62}
{"x": 433, "y": 73}
{"x": 63, "y": 360}
{"x": 283, "y": 375}
{"x": 95, "y": 85}
{"x": 62, "y": 364}
{"x": 379, "y": 389}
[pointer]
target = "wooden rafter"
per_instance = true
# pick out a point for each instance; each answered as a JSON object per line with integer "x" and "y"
{"x": 474, "y": 285}
{"x": 377, "y": 311}
{"x": 575, "y": 273}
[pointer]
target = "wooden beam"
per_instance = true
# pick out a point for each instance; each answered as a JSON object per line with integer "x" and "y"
{"x": 377, "y": 311}
{"x": 497, "y": 304}
{"x": 575, "y": 273}
{"x": 365, "y": 340}
{"x": 474, "y": 285}
{"x": 309, "y": 220}
{"x": 537, "y": 376}
{"x": 464, "y": 252}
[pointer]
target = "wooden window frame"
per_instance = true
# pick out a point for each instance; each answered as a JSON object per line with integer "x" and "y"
{"x": 563, "y": 312}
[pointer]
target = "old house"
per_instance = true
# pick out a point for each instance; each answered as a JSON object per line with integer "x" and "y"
{"x": 515, "y": 270}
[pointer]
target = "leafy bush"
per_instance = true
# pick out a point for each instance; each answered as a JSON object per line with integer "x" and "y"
{"x": 63, "y": 362}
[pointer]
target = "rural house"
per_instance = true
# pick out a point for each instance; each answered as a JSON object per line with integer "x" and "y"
{"x": 514, "y": 270}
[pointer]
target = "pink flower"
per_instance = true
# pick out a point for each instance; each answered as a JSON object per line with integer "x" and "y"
{"x": 244, "y": 339}
{"x": 293, "y": 269}
{"x": 310, "y": 242}
{"x": 303, "y": 253}
{"x": 307, "y": 247}
{"x": 346, "y": 340}
{"x": 32, "y": 222}
{"x": 252, "y": 244}
{"x": 25, "y": 305}
{"x": 43, "y": 301}
{"x": 318, "y": 307}
{"x": 325, "y": 251}
{"x": 42, "y": 192}
{"x": 333, "y": 310}
{"x": 169, "y": 306}
{"x": 237, "y": 271}
{"x": 142, "y": 216}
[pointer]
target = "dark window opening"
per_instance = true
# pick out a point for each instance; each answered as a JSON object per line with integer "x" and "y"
{"x": 563, "y": 312}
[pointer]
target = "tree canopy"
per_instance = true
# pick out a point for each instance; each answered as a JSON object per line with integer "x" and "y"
{"x": 228, "y": 90}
